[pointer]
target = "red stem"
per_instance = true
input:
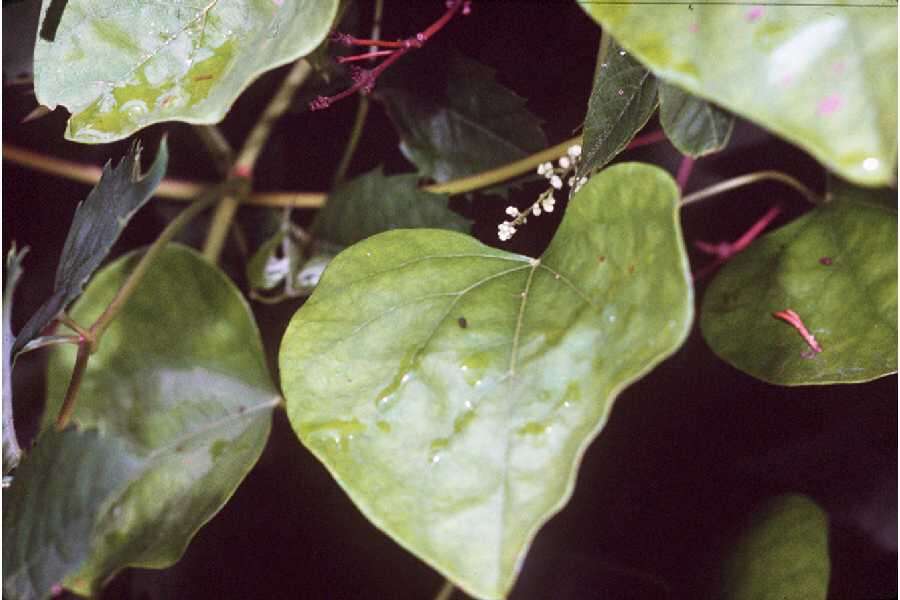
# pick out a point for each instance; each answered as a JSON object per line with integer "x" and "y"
{"x": 355, "y": 57}
{"x": 646, "y": 139}
{"x": 684, "y": 172}
{"x": 794, "y": 320}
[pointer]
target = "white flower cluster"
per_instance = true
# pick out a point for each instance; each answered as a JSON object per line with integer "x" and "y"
{"x": 568, "y": 163}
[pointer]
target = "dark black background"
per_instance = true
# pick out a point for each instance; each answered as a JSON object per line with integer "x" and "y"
{"x": 689, "y": 451}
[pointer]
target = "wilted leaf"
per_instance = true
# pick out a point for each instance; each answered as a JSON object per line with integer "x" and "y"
{"x": 96, "y": 226}
{"x": 622, "y": 101}
{"x": 180, "y": 380}
{"x": 121, "y": 66}
{"x": 454, "y": 119}
{"x": 372, "y": 203}
{"x": 11, "y": 450}
{"x": 836, "y": 267}
{"x": 782, "y": 555}
{"x": 693, "y": 125}
{"x": 451, "y": 388}
{"x": 823, "y": 76}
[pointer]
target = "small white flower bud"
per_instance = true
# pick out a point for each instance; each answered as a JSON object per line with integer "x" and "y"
{"x": 548, "y": 203}
{"x": 556, "y": 182}
{"x": 574, "y": 151}
{"x": 564, "y": 162}
{"x": 541, "y": 168}
{"x": 536, "y": 209}
{"x": 512, "y": 211}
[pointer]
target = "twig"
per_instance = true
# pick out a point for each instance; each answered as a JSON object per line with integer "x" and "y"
{"x": 743, "y": 180}
{"x": 68, "y": 405}
{"x": 219, "y": 149}
{"x": 246, "y": 159}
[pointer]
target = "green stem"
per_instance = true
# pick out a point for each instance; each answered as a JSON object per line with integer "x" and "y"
{"x": 134, "y": 278}
{"x": 362, "y": 110}
{"x": 487, "y": 178}
{"x": 50, "y": 340}
{"x": 219, "y": 149}
{"x": 246, "y": 159}
{"x": 68, "y": 405}
{"x": 446, "y": 591}
{"x": 602, "y": 53}
{"x": 748, "y": 179}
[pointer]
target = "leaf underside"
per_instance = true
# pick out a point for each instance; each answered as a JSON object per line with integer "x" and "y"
{"x": 693, "y": 125}
{"x": 822, "y": 76}
{"x": 451, "y": 388}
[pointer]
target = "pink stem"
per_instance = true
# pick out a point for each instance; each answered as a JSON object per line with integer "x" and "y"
{"x": 355, "y": 57}
{"x": 646, "y": 139}
{"x": 725, "y": 250}
{"x": 684, "y": 172}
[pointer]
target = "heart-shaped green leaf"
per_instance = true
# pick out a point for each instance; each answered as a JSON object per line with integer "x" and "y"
{"x": 372, "y": 203}
{"x": 451, "y": 388}
{"x": 125, "y": 65}
{"x": 622, "y": 101}
{"x": 454, "y": 119}
{"x": 693, "y": 125}
{"x": 181, "y": 380}
{"x": 782, "y": 554}
{"x": 823, "y": 77}
{"x": 836, "y": 267}
{"x": 96, "y": 225}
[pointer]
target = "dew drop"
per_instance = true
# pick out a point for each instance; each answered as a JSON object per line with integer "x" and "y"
{"x": 621, "y": 53}
{"x": 603, "y": 65}
{"x": 621, "y": 92}
{"x": 870, "y": 164}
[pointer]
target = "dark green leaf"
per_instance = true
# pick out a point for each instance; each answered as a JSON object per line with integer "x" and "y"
{"x": 50, "y": 512}
{"x": 622, "y": 101}
{"x": 693, "y": 125}
{"x": 823, "y": 76}
{"x": 119, "y": 67}
{"x": 458, "y": 121}
{"x": 96, "y": 226}
{"x": 451, "y": 388}
{"x": 782, "y": 554}
{"x": 372, "y": 203}
{"x": 180, "y": 378}
{"x": 11, "y": 450}
{"x": 836, "y": 267}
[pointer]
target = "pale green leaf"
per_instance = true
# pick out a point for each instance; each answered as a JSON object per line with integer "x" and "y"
{"x": 836, "y": 267}
{"x": 822, "y": 76}
{"x": 96, "y": 225}
{"x": 180, "y": 378}
{"x": 622, "y": 101}
{"x": 693, "y": 125}
{"x": 451, "y": 388}
{"x": 781, "y": 555}
{"x": 121, "y": 66}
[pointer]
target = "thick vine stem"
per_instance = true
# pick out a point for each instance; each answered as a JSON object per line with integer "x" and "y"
{"x": 749, "y": 178}
{"x": 249, "y": 153}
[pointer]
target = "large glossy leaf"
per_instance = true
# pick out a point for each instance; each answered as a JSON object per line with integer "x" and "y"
{"x": 693, "y": 125}
{"x": 372, "y": 203}
{"x": 451, "y": 388}
{"x": 622, "y": 101}
{"x": 180, "y": 378}
{"x": 95, "y": 227}
{"x": 823, "y": 77}
{"x": 11, "y": 449}
{"x": 121, "y": 66}
{"x": 781, "y": 555}
{"x": 454, "y": 119}
{"x": 836, "y": 267}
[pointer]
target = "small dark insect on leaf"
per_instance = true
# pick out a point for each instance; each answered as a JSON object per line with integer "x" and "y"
{"x": 203, "y": 77}
{"x": 462, "y": 322}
